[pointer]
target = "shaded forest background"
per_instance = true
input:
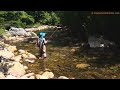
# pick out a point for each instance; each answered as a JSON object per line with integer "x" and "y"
{"x": 79, "y": 24}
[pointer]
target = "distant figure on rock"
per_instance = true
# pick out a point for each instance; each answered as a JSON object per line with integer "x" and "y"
{"x": 41, "y": 42}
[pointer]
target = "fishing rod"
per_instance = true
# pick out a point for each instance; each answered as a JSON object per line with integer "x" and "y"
{"x": 53, "y": 33}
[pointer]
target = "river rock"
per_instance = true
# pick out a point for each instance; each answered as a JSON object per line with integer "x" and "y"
{"x": 48, "y": 74}
{"x": 72, "y": 50}
{"x": 31, "y": 56}
{"x": 12, "y": 38}
{"x": 20, "y": 39}
{"x": 63, "y": 77}
{"x": 11, "y": 48}
{"x": 32, "y": 77}
{"x": 28, "y": 34}
{"x": 28, "y": 75}
{"x": 17, "y": 58}
{"x": 17, "y": 69}
{"x": 25, "y": 67}
{"x": 24, "y": 56}
{"x": 24, "y": 78}
{"x": 6, "y": 54}
{"x": 37, "y": 76}
{"x": 2, "y": 75}
{"x": 41, "y": 77}
{"x": 7, "y": 45}
{"x": 82, "y": 65}
{"x": 30, "y": 61}
{"x": 33, "y": 34}
{"x": 17, "y": 31}
{"x": 10, "y": 77}
{"x": 5, "y": 37}
{"x": 21, "y": 51}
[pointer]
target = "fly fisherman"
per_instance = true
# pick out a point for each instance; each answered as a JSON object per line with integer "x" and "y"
{"x": 41, "y": 41}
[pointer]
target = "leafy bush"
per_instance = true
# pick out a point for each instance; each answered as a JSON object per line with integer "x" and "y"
{"x": 28, "y": 21}
{"x": 16, "y": 23}
{"x": 2, "y": 31}
{"x": 49, "y": 18}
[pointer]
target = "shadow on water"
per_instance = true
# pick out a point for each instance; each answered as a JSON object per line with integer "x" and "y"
{"x": 99, "y": 57}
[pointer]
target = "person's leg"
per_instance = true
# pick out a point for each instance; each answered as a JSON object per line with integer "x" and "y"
{"x": 44, "y": 57}
{"x": 44, "y": 52}
{"x": 40, "y": 53}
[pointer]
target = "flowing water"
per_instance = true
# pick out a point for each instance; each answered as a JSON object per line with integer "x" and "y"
{"x": 62, "y": 59}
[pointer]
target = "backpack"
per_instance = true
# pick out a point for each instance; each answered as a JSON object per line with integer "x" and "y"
{"x": 40, "y": 42}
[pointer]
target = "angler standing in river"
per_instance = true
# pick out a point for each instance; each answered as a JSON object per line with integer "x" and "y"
{"x": 41, "y": 42}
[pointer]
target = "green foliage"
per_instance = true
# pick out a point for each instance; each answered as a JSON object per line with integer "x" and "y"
{"x": 2, "y": 20}
{"x": 46, "y": 18}
{"x": 25, "y": 18}
{"x": 49, "y": 18}
{"x": 55, "y": 18}
{"x": 36, "y": 15}
{"x": 28, "y": 18}
{"x": 36, "y": 24}
{"x": 2, "y": 31}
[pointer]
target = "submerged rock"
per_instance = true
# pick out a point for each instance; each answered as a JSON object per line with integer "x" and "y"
{"x": 82, "y": 65}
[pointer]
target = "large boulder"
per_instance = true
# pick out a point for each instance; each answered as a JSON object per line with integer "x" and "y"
{"x": 6, "y": 54}
{"x": 17, "y": 70}
{"x": 17, "y": 31}
{"x": 11, "y": 48}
